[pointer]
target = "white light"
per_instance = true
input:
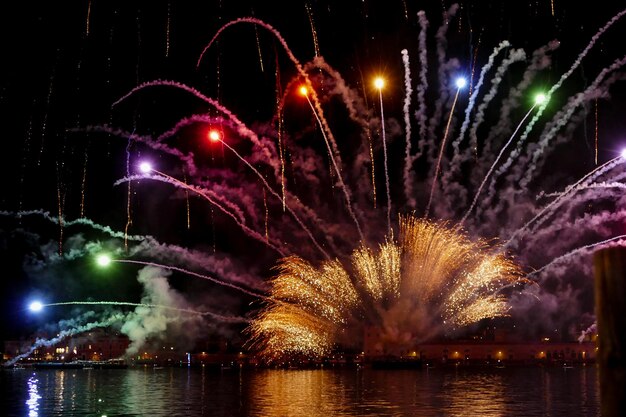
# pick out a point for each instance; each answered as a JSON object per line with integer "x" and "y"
{"x": 145, "y": 167}
{"x": 35, "y": 306}
{"x": 461, "y": 82}
{"x": 103, "y": 260}
{"x": 623, "y": 153}
{"x": 540, "y": 98}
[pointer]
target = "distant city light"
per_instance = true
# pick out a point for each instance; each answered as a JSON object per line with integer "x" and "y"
{"x": 35, "y": 306}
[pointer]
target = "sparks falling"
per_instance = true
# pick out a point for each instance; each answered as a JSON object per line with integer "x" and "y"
{"x": 432, "y": 280}
{"x": 344, "y": 264}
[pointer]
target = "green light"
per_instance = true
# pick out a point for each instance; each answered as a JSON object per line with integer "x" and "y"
{"x": 103, "y": 260}
{"x": 540, "y": 98}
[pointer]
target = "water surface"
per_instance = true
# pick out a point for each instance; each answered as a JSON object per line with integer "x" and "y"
{"x": 322, "y": 393}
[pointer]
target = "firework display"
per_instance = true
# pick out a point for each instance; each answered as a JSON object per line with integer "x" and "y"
{"x": 411, "y": 223}
{"x": 431, "y": 280}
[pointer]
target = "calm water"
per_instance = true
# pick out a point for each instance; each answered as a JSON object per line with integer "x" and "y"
{"x": 325, "y": 393}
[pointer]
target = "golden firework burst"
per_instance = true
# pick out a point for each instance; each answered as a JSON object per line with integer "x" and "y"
{"x": 432, "y": 279}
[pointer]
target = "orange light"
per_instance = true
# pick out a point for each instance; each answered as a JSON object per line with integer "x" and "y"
{"x": 379, "y": 83}
{"x": 303, "y": 90}
{"x": 214, "y": 135}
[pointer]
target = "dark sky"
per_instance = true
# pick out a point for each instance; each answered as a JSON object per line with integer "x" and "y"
{"x": 65, "y": 63}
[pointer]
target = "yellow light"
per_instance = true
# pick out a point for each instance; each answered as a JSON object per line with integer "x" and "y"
{"x": 379, "y": 83}
{"x": 304, "y": 91}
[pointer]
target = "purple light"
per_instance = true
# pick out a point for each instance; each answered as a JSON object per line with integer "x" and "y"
{"x": 623, "y": 153}
{"x": 145, "y": 167}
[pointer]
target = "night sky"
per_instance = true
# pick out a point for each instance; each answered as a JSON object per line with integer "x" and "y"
{"x": 64, "y": 65}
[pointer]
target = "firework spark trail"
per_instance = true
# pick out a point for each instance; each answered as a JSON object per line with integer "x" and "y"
{"x": 88, "y": 18}
{"x": 431, "y": 268}
{"x": 309, "y": 13}
{"x": 443, "y": 145}
{"x": 65, "y": 334}
{"x": 229, "y": 319}
{"x": 275, "y": 194}
{"x": 613, "y": 178}
{"x": 472, "y": 98}
{"x": 266, "y": 222}
{"x": 408, "y": 191}
{"x": 384, "y": 138}
{"x": 129, "y": 220}
{"x": 420, "y": 114}
{"x": 187, "y": 121}
{"x": 298, "y": 66}
{"x": 539, "y": 61}
{"x": 614, "y": 241}
{"x": 563, "y": 116}
{"x": 227, "y": 206}
{"x": 583, "y": 194}
{"x": 187, "y": 159}
{"x": 81, "y": 221}
{"x": 443, "y": 70}
{"x": 357, "y": 110}
{"x": 197, "y": 275}
{"x": 60, "y": 204}
{"x": 329, "y": 138}
{"x": 515, "y": 153}
{"x": 279, "y": 132}
{"x": 25, "y": 150}
{"x": 339, "y": 176}
{"x": 580, "y": 227}
{"x": 482, "y": 184}
{"x": 583, "y": 182}
{"x": 596, "y": 132}
{"x": 205, "y": 194}
{"x": 474, "y": 59}
{"x": 242, "y": 129}
{"x": 457, "y": 159}
{"x": 258, "y": 47}
{"x": 44, "y": 122}
{"x": 83, "y": 183}
{"x": 515, "y": 55}
{"x": 167, "y": 29}
{"x": 187, "y": 204}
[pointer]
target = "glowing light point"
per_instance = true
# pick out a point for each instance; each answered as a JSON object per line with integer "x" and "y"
{"x": 623, "y": 153}
{"x": 35, "y": 306}
{"x": 103, "y": 260}
{"x": 379, "y": 83}
{"x": 460, "y": 82}
{"x": 304, "y": 91}
{"x": 214, "y": 135}
{"x": 145, "y": 167}
{"x": 540, "y": 98}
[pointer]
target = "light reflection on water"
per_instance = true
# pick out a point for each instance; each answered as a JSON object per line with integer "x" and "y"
{"x": 317, "y": 393}
{"x": 33, "y": 397}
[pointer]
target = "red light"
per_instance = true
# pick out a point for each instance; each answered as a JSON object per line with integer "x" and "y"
{"x": 304, "y": 91}
{"x": 214, "y": 135}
